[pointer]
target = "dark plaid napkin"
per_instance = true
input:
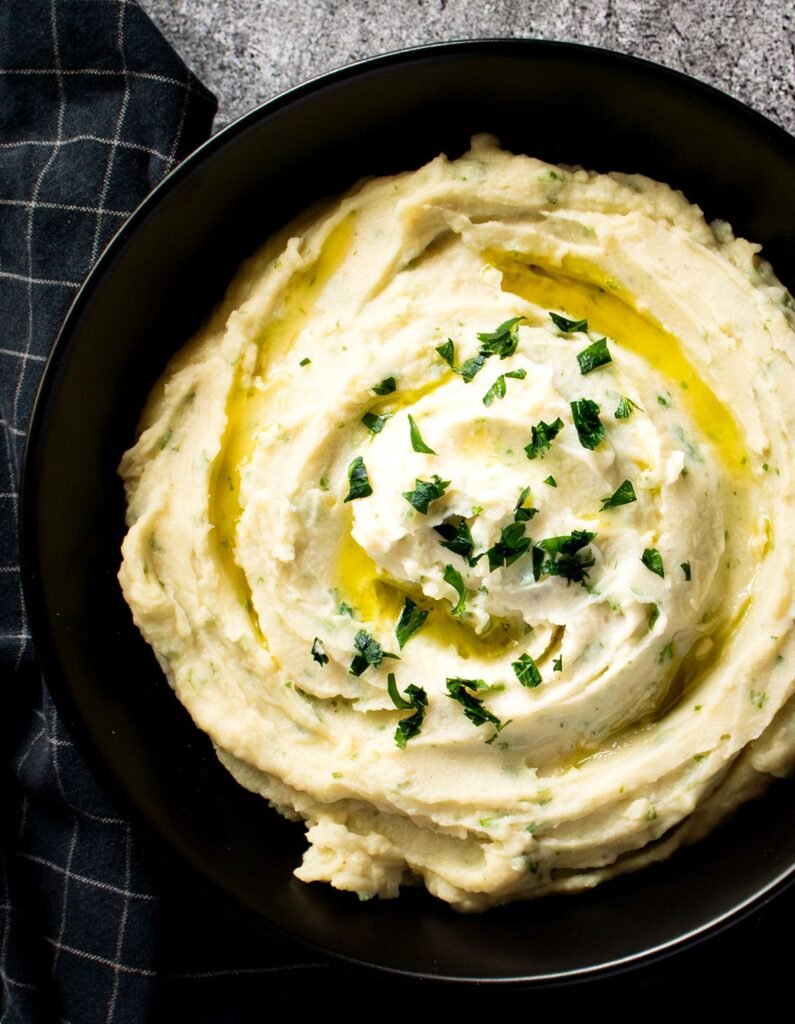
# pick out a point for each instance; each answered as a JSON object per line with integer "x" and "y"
{"x": 95, "y": 108}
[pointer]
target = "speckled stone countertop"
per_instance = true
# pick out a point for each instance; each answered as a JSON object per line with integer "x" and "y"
{"x": 248, "y": 50}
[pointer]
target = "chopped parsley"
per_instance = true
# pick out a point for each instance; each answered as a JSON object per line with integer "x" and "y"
{"x": 521, "y": 512}
{"x": 319, "y": 652}
{"x": 551, "y": 481}
{"x": 511, "y": 545}
{"x": 527, "y": 671}
{"x": 623, "y": 495}
{"x": 566, "y": 560}
{"x": 457, "y": 539}
{"x": 501, "y": 342}
{"x": 458, "y": 689}
{"x": 417, "y": 702}
{"x": 624, "y": 408}
{"x": 305, "y": 361}
{"x": 498, "y": 388}
{"x": 369, "y": 653}
{"x": 667, "y": 653}
{"x": 652, "y": 559}
{"x": 557, "y": 664}
{"x": 358, "y": 480}
{"x": 590, "y": 428}
{"x": 456, "y": 581}
{"x": 417, "y": 442}
{"x": 685, "y": 567}
{"x": 594, "y": 356}
{"x": 425, "y": 492}
{"x": 374, "y": 423}
{"x": 664, "y": 401}
{"x": 568, "y": 326}
{"x": 386, "y": 387}
{"x": 411, "y": 619}
{"x": 654, "y": 614}
{"x": 542, "y": 436}
{"x": 447, "y": 352}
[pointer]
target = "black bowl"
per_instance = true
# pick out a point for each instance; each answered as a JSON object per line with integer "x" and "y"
{"x": 158, "y": 280}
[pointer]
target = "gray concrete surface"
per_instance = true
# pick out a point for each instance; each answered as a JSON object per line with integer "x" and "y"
{"x": 248, "y": 50}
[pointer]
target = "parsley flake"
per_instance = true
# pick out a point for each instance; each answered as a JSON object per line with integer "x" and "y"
{"x": 498, "y": 388}
{"x": 521, "y": 512}
{"x": 527, "y": 671}
{"x": 375, "y": 424}
{"x": 625, "y": 408}
{"x": 542, "y": 436}
{"x": 457, "y": 539}
{"x": 305, "y": 361}
{"x": 557, "y": 664}
{"x": 568, "y": 326}
{"x": 417, "y": 442}
{"x": 685, "y": 567}
{"x": 503, "y": 341}
{"x": 590, "y": 428}
{"x": 425, "y": 492}
{"x": 594, "y": 356}
{"x": 456, "y": 581}
{"x": 369, "y": 652}
{"x": 458, "y": 690}
{"x": 386, "y": 387}
{"x": 411, "y": 619}
{"x": 623, "y": 495}
{"x": 511, "y": 546}
{"x": 319, "y": 652}
{"x": 417, "y": 702}
{"x": 654, "y": 614}
{"x": 358, "y": 480}
{"x": 652, "y": 559}
{"x": 551, "y": 481}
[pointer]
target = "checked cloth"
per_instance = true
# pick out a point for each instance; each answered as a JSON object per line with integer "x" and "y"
{"x": 95, "y": 108}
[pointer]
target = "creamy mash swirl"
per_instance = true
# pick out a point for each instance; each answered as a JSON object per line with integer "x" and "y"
{"x": 527, "y": 430}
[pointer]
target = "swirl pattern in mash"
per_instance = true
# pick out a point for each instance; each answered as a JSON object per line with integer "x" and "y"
{"x": 465, "y": 528}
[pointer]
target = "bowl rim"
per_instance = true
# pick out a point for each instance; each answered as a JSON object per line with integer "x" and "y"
{"x": 56, "y": 678}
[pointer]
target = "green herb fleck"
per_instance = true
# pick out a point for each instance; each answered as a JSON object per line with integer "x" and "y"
{"x": 667, "y": 653}
{"x": 624, "y": 495}
{"x": 345, "y": 609}
{"x": 624, "y": 408}
{"x": 386, "y": 387}
{"x": 568, "y": 326}
{"x": 374, "y": 423}
{"x": 164, "y": 438}
{"x": 319, "y": 652}
{"x": 664, "y": 402}
{"x": 652, "y": 559}
{"x": 417, "y": 702}
{"x": 557, "y": 664}
{"x": 594, "y": 356}
{"x": 411, "y": 619}
{"x": 305, "y": 361}
{"x": 654, "y": 614}
{"x": 758, "y": 698}
{"x": 425, "y": 492}
{"x": 521, "y": 512}
{"x": 685, "y": 567}
{"x": 542, "y": 436}
{"x": 551, "y": 481}
{"x": 498, "y": 388}
{"x": 470, "y": 368}
{"x": 456, "y": 581}
{"x": 458, "y": 690}
{"x": 369, "y": 652}
{"x": 457, "y": 539}
{"x": 417, "y": 442}
{"x": 511, "y": 545}
{"x": 447, "y": 352}
{"x": 358, "y": 480}
{"x": 590, "y": 428}
{"x": 502, "y": 341}
{"x": 527, "y": 671}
